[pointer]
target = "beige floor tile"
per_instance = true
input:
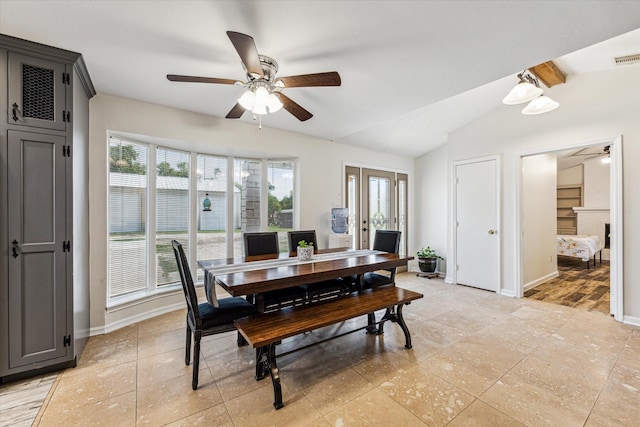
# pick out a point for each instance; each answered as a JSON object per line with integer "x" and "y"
{"x": 471, "y": 375}
{"x": 373, "y": 408}
{"x": 430, "y": 398}
{"x": 558, "y": 350}
{"x": 576, "y": 389}
{"x": 521, "y": 335}
{"x": 618, "y": 404}
{"x": 479, "y": 414}
{"x": 153, "y": 344}
{"x": 117, "y": 411}
{"x": 172, "y": 400}
{"x": 163, "y": 323}
{"x": 531, "y": 405}
{"x": 164, "y": 366}
{"x": 236, "y": 377}
{"x": 215, "y": 416}
{"x": 100, "y": 354}
{"x": 328, "y": 393}
{"x": 80, "y": 390}
{"x": 256, "y": 409}
{"x": 384, "y": 366}
{"x": 487, "y": 351}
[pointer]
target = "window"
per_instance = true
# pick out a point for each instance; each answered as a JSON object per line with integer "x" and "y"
{"x": 247, "y": 179}
{"x": 172, "y": 211}
{"x": 280, "y": 203}
{"x": 127, "y": 255}
{"x": 157, "y": 194}
{"x": 212, "y": 221}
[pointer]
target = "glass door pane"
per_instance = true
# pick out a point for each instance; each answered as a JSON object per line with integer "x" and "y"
{"x": 379, "y": 204}
{"x": 247, "y": 180}
{"x": 353, "y": 203}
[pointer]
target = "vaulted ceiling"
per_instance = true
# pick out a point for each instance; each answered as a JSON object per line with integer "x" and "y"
{"x": 412, "y": 71}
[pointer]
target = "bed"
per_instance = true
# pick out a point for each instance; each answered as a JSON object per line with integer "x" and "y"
{"x": 583, "y": 247}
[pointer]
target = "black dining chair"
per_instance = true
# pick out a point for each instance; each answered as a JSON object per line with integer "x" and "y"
{"x": 266, "y": 243}
{"x": 321, "y": 290}
{"x": 204, "y": 319}
{"x": 386, "y": 241}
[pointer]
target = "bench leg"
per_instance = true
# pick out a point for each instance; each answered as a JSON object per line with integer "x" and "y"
{"x": 371, "y": 324}
{"x": 395, "y": 315}
{"x": 266, "y": 361}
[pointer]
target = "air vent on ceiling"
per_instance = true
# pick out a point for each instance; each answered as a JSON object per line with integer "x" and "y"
{"x": 627, "y": 60}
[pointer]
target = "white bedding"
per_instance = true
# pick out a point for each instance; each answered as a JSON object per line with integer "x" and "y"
{"x": 583, "y": 247}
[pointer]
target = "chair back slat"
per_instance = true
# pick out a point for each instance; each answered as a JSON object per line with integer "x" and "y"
{"x": 187, "y": 281}
{"x": 261, "y": 243}
{"x": 308, "y": 236}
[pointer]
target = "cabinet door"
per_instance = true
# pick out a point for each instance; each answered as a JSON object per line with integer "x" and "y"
{"x": 36, "y": 92}
{"x": 37, "y": 173}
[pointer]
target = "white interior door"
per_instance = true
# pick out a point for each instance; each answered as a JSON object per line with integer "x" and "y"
{"x": 477, "y": 238}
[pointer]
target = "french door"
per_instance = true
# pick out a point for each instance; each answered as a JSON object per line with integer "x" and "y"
{"x": 377, "y": 200}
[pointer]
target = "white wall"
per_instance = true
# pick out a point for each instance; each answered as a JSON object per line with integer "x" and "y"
{"x": 431, "y": 205}
{"x": 596, "y": 184}
{"x": 320, "y": 168}
{"x": 571, "y": 176}
{"x": 593, "y": 107}
{"x": 539, "y": 219}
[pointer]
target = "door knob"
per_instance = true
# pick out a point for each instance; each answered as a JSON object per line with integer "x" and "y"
{"x": 492, "y": 231}
{"x": 365, "y": 229}
{"x": 15, "y": 249}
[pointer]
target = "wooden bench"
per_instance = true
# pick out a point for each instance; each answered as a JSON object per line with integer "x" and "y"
{"x": 265, "y": 331}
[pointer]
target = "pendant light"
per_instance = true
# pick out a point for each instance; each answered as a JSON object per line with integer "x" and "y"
{"x": 528, "y": 90}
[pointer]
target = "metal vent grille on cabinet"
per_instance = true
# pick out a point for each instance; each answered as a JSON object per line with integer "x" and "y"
{"x": 38, "y": 96}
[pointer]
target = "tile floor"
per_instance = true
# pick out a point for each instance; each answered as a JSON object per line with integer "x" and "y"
{"x": 478, "y": 359}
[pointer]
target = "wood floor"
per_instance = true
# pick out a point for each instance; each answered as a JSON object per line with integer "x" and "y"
{"x": 576, "y": 286}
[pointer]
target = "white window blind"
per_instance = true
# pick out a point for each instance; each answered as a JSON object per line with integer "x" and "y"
{"x": 127, "y": 217}
{"x": 172, "y": 211}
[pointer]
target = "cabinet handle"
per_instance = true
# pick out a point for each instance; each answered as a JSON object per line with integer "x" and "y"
{"x": 15, "y": 249}
{"x": 15, "y": 112}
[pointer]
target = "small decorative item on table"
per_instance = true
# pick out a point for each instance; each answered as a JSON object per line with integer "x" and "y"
{"x": 305, "y": 250}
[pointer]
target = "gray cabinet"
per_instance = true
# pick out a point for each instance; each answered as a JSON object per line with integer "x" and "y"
{"x": 43, "y": 309}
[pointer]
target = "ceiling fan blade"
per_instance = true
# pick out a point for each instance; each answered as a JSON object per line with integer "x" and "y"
{"x": 236, "y": 112}
{"x": 194, "y": 79}
{"x": 330, "y": 78}
{"x": 294, "y": 108}
{"x": 246, "y": 48}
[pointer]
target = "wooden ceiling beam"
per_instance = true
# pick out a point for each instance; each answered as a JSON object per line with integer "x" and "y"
{"x": 549, "y": 74}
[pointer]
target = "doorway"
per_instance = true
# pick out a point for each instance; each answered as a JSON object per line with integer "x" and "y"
{"x": 612, "y": 224}
{"x": 376, "y": 200}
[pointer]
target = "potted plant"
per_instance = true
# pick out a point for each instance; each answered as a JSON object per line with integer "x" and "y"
{"x": 427, "y": 259}
{"x": 305, "y": 250}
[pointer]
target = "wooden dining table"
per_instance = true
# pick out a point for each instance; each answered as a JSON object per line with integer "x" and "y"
{"x": 256, "y": 275}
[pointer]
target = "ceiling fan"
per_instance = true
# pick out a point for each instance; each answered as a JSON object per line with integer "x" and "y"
{"x": 263, "y": 88}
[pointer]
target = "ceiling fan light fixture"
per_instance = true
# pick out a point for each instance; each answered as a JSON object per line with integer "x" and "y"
{"x": 540, "y": 105}
{"x": 521, "y": 93}
{"x": 247, "y": 100}
{"x": 261, "y": 100}
{"x": 274, "y": 103}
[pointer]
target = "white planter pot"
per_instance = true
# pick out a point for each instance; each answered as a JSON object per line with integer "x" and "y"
{"x": 305, "y": 254}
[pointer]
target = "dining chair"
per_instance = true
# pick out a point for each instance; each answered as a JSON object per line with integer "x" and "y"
{"x": 386, "y": 241}
{"x": 266, "y": 243}
{"x": 321, "y": 290}
{"x": 204, "y": 319}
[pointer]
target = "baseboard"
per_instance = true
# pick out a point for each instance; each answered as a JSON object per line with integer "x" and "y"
{"x": 630, "y": 320}
{"x": 539, "y": 281}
